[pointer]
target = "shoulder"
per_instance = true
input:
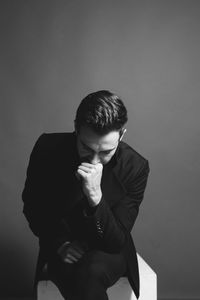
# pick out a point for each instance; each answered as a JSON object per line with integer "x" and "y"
{"x": 131, "y": 161}
{"x": 48, "y": 142}
{"x": 54, "y": 137}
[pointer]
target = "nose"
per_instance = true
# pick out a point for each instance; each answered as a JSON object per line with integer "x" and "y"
{"x": 95, "y": 159}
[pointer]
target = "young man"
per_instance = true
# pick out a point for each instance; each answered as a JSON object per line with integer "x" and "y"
{"x": 81, "y": 198}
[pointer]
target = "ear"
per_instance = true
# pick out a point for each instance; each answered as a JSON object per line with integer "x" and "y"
{"x": 123, "y": 132}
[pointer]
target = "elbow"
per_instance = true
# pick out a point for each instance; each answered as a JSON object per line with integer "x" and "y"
{"x": 32, "y": 224}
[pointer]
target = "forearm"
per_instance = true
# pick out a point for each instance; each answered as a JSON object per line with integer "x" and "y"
{"x": 106, "y": 230}
{"x": 48, "y": 227}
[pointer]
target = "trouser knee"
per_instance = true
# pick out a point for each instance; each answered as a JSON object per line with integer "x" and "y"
{"x": 94, "y": 273}
{"x": 92, "y": 283}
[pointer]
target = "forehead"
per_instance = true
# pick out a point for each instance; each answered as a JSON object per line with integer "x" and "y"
{"x": 92, "y": 139}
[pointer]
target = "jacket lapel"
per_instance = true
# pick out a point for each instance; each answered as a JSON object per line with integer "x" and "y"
{"x": 112, "y": 188}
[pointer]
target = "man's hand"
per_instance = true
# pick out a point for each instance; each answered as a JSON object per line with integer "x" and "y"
{"x": 91, "y": 181}
{"x": 71, "y": 252}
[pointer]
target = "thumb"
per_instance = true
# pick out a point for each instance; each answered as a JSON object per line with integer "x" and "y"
{"x": 77, "y": 176}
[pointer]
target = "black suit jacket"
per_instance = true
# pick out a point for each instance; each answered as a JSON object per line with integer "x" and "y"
{"x": 55, "y": 206}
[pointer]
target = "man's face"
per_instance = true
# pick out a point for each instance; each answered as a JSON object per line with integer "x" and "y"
{"x": 94, "y": 148}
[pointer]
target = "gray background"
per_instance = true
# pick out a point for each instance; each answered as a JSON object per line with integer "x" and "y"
{"x": 53, "y": 53}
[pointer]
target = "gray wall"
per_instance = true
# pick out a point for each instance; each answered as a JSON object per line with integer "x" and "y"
{"x": 55, "y": 52}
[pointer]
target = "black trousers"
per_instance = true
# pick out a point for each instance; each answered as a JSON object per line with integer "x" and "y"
{"x": 89, "y": 278}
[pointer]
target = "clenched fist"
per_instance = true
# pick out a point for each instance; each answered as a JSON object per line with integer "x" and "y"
{"x": 91, "y": 181}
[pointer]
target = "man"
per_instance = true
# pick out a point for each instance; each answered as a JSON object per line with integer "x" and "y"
{"x": 81, "y": 198}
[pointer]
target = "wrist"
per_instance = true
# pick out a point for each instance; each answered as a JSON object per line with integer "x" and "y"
{"x": 95, "y": 199}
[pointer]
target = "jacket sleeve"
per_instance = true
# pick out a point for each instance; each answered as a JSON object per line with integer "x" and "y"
{"x": 43, "y": 223}
{"x": 111, "y": 226}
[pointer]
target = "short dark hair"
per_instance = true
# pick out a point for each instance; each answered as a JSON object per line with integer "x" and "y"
{"x": 102, "y": 111}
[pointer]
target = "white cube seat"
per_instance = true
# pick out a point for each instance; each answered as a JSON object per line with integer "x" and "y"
{"x": 121, "y": 290}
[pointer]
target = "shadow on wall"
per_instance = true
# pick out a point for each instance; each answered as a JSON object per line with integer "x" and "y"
{"x": 15, "y": 264}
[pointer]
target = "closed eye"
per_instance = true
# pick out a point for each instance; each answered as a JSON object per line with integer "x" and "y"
{"x": 102, "y": 152}
{"x": 106, "y": 152}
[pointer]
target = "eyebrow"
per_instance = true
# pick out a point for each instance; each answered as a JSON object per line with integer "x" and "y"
{"x": 86, "y": 146}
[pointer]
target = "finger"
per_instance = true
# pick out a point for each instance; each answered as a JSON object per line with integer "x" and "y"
{"x": 82, "y": 173}
{"x": 78, "y": 248}
{"x": 71, "y": 257}
{"x": 97, "y": 167}
{"x": 77, "y": 175}
{"x": 85, "y": 169}
{"x": 75, "y": 253}
{"x": 67, "y": 260}
{"x": 87, "y": 165}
